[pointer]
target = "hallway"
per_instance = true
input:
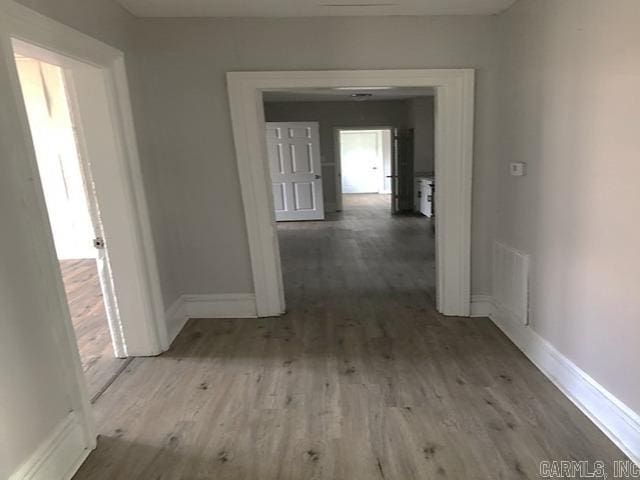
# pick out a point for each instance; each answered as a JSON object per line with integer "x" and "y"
{"x": 357, "y": 255}
{"x": 360, "y": 380}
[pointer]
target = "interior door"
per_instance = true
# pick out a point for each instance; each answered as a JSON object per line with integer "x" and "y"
{"x": 105, "y": 274}
{"x": 294, "y": 161}
{"x": 402, "y": 171}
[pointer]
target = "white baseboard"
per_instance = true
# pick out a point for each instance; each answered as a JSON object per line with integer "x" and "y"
{"x": 176, "y": 316}
{"x": 59, "y": 456}
{"x": 225, "y": 305}
{"x": 481, "y": 306}
{"x": 614, "y": 418}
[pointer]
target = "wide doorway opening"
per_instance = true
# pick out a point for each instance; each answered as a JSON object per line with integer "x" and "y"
{"x": 453, "y": 131}
{"x": 342, "y": 173}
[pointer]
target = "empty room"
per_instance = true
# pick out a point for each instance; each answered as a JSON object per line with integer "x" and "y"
{"x": 278, "y": 240}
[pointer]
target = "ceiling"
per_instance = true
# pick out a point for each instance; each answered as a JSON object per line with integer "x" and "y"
{"x": 310, "y": 8}
{"x": 335, "y": 95}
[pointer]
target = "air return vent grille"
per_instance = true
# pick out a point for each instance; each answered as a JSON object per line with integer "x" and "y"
{"x": 511, "y": 282}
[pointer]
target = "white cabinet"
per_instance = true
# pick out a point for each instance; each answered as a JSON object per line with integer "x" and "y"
{"x": 417, "y": 194}
{"x": 425, "y": 189}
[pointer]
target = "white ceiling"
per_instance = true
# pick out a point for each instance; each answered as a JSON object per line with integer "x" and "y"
{"x": 310, "y": 8}
{"x": 333, "y": 95}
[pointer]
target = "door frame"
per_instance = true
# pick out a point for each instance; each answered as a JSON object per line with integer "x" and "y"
{"x": 25, "y": 25}
{"x": 338, "y": 155}
{"x": 67, "y": 66}
{"x": 454, "y": 159}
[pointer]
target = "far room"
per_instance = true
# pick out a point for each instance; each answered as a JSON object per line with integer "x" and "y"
{"x": 363, "y": 159}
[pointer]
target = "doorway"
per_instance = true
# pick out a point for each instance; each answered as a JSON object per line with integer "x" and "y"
{"x": 89, "y": 200}
{"x": 454, "y": 99}
{"x": 74, "y": 217}
{"x": 365, "y": 160}
{"x": 98, "y": 99}
{"x": 377, "y": 161}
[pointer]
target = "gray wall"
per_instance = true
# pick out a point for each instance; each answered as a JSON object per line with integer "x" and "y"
{"x": 423, "y": 121}
{"x": 34, "y": 396}
{"x": 574, "y": 212}
{"x": 392, "y": 113}
{"x": 104, "y": 20}
{"x": 570, "y": 103}
{"x": 187, "y": 141}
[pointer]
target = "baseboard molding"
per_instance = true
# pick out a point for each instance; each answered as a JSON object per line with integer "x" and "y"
{"x": 614, "y": 418}
{"x": 59, "y": 456}
{"x": 226, "y": 305}
{"x": 176, "y": 317}
{"x": 481, "y": 305}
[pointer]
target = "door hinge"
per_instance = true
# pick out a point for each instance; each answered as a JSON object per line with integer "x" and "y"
{"x": 98, "y": 243}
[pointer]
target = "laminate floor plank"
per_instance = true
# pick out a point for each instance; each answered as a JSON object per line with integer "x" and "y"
{"x": 361, "y": 379}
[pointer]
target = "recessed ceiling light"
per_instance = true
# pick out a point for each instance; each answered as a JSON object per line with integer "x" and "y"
{"x": 363, "y": 88}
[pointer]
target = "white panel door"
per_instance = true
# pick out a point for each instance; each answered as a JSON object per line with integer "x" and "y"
{"x": 294, "y": 161}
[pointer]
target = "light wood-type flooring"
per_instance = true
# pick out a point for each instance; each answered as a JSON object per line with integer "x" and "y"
{"x": 360, "y": 380}
{"x": 82, "y": 286}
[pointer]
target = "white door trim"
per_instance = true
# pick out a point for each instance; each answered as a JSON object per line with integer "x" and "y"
{"x": 454, "y": 157}
{"x": 20, "y": 23}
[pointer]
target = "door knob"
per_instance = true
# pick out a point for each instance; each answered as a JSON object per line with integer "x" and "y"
{"x": 318, "y": 177}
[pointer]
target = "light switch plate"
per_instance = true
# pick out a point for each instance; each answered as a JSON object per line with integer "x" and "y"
{"x": 517, "y": 169}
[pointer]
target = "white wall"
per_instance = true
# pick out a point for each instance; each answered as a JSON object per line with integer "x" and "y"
{"x": 188, "y": 151}
{"x": 58, "y": 162}
{"x": 570, "y": 109}
{"x": 329, "y": 115}
{"x": 36, "y": 381}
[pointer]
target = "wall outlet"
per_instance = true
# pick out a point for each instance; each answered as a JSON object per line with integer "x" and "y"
{"x": 517, "y": 169}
